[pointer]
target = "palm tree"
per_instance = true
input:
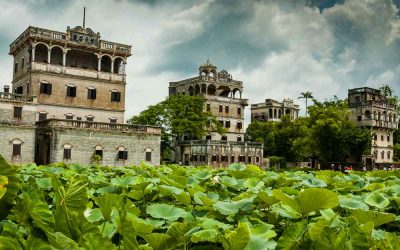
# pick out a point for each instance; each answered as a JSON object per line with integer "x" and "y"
{"x": 306, "y": 95}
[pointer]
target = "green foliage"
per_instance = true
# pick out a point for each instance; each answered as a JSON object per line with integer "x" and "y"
{"x": 179, "y": 116}
{"x": 175, "y": 207}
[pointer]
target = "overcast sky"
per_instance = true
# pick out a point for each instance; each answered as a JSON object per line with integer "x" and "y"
{"x": 278, "y": 48}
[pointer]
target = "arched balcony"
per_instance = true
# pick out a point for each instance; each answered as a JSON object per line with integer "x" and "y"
{"x": 56, "y": 57}
{"x": 41, "y": 53}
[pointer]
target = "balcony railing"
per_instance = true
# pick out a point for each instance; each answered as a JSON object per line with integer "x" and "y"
{"x": 223, "y": 143}
{"x": 244, "y": 102}
{"x": 372, "y": 103}
{"x": 377, "y": 123}
{"x": 59, "y": 69}
{"x": 63, "y": 123}
{"x": 16, "y": 97}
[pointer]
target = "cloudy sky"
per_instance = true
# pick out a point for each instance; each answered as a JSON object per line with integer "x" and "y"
{"x": 278, "y": 48}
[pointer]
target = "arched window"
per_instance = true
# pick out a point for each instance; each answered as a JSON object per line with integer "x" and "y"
{"x": 388, "y": 155}
{"x": 98, "y": 153}
{"x": 367, "y": 114}
{"x": 383, "y": 155}
{"x": 122, "y": 153}
{"x": 148, "y": 152}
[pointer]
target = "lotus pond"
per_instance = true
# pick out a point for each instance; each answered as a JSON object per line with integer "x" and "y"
{"x": 173, "y": 207}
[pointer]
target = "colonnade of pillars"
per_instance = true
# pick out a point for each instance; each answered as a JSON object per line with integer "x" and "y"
{"x": 64, "y": 59}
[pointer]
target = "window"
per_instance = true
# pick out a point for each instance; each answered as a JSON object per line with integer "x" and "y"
{"x": 148, "y": 156}
{"x": 375, "y": 137}
{"x": 359, "y": 118}
{"x": 223, "y": 158}
{"x": 227, "y": 109}
{"x": 16, "y": 68}
{"x": 115, "y": 96}
{"x": 89, "y": 118}
{"x": 45, "y": 88}
{"x": 239, "y": 138}
{"x": 257, "y": 159}
{"x": 122, "y": 155}
{"x": 241, "y": 158}
{"x": 223, "y": 138}
{"x": 67, "y": 153}
{"x": 22, "y": 63}
{"x": 221, "y": 122}
{"x": 42, "y": 116}
{"x": 388, "y": 155}
{"x": 19, "y": 90}
{"x": 227, "y": 124}
{"x": 388, "y": 138}
{"x": 203, "y": 158}
{"x": 113, "y": 120}
{"x": 91, "y": 93}
{"x": 99, "y": 152}
{"x": 69, "y": 116}
{"x": 383, "y": 155}
{"x": 208, "y": 107}
{"x": 208, "y": 137}
{"x": 18, "y": 113}
{"x": 214, "y": 157}
{"x": 239, "y": 111}
{"x": 71, "y": 91}
{"x": 220, "y": 108}
{"x": 232, "y": 158}
{"x": 382, "y": 137}
{"x": 249, "y": 159}
{"x": 239, "y": 125}
{"x": 194, "y": 157}
{"x": 16, "y": 149}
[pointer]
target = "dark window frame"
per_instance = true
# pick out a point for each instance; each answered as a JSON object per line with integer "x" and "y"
{"x": 16, "y": 151}
{"x": 71, "y": 91}
{"x": 123, "y": 155}
{"x": 148, "y": 155}
{"x": 115, "y": 96}
{"x": 45, "y": 88}
{"x": 67, "y": 153}
{"x": 17, "y": 112}
{"x": 91, "y": 94}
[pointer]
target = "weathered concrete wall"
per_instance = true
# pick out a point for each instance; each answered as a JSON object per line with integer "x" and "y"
{"x": 7, "y": 112}
{"x": 24, "y": 134}
{"x": 84, "y": 143}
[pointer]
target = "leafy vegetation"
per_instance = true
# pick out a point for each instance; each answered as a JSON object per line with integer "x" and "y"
{"x": 327, "y": 134}
{"x": 179, "y": 116}
{"x": 174, "y": 207}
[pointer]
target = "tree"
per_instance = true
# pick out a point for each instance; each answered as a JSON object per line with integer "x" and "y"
{"x": 334, "y": 136}
{"x": 306, "y": 95}
{"x": 179, "y": 117}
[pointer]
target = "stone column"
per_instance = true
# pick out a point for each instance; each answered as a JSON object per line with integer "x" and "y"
{"x": 33, "y": 53}
{"x": 112, "y": 66}
{"x": 64, "y": 57}
{"x": 99, "y": 63}
{"x": 48, "y": 55}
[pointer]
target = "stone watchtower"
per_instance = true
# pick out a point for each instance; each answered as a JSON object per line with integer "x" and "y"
{"x": 370, "y": 109}
{"x": 74, "y": 75}
{"x": 223, "y": 98}
{"x": 68, "y": 102}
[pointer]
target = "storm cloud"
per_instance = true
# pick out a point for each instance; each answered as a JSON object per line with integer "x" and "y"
{"x": 277, "y": 48}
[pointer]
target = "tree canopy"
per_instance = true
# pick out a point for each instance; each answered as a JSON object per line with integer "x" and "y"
{"x": 179, "y": 117}
{"x": 327, "y": 134}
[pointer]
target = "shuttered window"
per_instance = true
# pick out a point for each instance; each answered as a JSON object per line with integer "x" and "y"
{"x": 16, "y": 149}
{"x": 122, "y": 155}
{"x": 18, "y": 112}
{"x": 45, "y": 88}
{"x": 71, "y": 91}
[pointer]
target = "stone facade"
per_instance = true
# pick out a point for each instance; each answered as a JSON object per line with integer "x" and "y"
{"x": 272, "y": 110}
{"x": 223, "y": 98}
{"x": 84, "y": 138}
{"x": 68, "y": 102}
{"x": 370, "y": 109}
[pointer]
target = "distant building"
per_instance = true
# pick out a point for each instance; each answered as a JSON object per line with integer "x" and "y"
{"x": 272, "y": 110}
{"x": 68, "y": 102}
{"x": 223, "y": 98}
{"x": 370, "y": 109}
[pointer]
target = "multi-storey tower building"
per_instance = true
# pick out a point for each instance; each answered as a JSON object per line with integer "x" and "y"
{"x": 68, "y": 102}
{"x": 74, "y": 75}
{"x": 272, "y": 110}
{"x": 223, "y": 98}
{"x": 370, "y": 109}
